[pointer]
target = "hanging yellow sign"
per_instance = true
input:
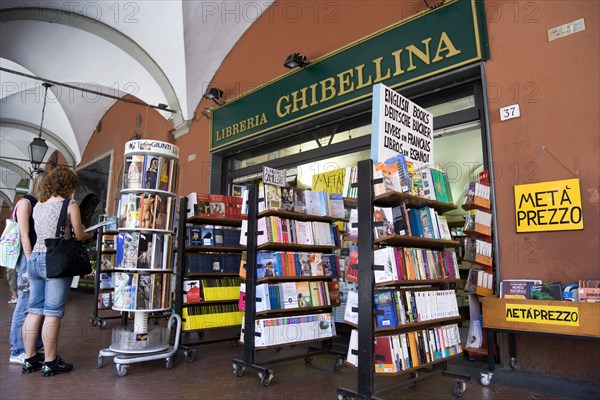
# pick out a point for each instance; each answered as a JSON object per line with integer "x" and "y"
{"x": 330, "y": 181}
{"x": 542, "y": 314}
{"x": 548, "y": 206}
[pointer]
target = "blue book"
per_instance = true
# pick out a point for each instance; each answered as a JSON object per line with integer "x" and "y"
{"x": 385, "y": 310}
{"x": 277, "y": 263}
{"x": 120, "y": 243}
{"x": 195, "y": 236}
{"x": 265, "y": 265}
{"x": 414, "y": 218}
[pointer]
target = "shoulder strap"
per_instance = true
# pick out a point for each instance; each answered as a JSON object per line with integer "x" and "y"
{"x": 14, "y": 213}
{"x": 60, "y": 226}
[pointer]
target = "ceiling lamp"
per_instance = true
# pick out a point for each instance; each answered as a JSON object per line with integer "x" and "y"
{"x": 38, "y": 148}
{"x": 295, "y": 60}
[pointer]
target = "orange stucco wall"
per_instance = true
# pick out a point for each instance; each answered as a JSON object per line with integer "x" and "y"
{"x": 557, "y": 85}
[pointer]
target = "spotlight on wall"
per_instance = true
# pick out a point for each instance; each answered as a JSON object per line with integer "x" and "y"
{"x": 295, "y": 60}
{"x": 434, "y": 6}
{"x": 215, "y": 94}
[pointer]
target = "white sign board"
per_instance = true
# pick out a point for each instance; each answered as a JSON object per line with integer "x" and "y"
{"x": 151, "y": 146}
{"x": 273, "y": 176}
{"x": 400, "y": 126}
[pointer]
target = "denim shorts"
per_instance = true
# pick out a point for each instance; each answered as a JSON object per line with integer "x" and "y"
{"x": 47, "y": 296}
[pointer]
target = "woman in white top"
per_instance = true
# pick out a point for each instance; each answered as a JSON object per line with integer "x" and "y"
{"x": 48, "y": 296}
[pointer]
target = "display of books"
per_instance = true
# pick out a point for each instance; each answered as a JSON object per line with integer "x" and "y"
{"x": 517, "y": 288}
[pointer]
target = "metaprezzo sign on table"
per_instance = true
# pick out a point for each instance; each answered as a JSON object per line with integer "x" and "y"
{"x": 400, "y": 127}
{"x": 548, "y": 206}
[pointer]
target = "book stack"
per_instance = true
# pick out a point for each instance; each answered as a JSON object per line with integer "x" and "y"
{"x": 214, "y": 206}
{"x": 143, "y": 250}
{"x": 419, "y": 222}
{"x": 350, "y": 189}
{"x": 477, "y": 194}
{"x": 478, "y": 222}
{"x": 480, "y": 282}
{"x": 478, "y": 251}
{"x": 396, "y": 308}
{"x": 589, "y": 291}
{"x": 146, "y": 211}
{"x": 136, "y": 291}
{"x": 284, "y": 330}
{"x": 212, "y": 262}
{"x": 401, "y": 352}
{"x": 289, "y": 263}
{"x": 152, "y": 172}
{"x": 398, "y": 175}
{"x": 213, "y": 235}
{"x": 302, "y": 201}
{"x": 220, "y": 289}
{"x": 290, "y": 295}
{"x": 414, "y": 263}
{"x": 210, "y": 316}
{"x": 517, "y": 288}
{"x": 274, "y": 229}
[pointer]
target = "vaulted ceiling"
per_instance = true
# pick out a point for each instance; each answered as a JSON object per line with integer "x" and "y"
{"x": 161, "y": 52}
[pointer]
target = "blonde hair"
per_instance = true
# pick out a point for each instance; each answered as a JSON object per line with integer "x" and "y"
{"x": 36, "y": 185}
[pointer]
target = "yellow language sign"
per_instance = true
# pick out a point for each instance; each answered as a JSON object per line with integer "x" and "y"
{"x": 542, "y": 314}
{"x": 548, "y": 206}
{"x": 330, "y": 181}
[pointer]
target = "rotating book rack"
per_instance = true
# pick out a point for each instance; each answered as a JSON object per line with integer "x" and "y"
{"x": 144, "y": 248}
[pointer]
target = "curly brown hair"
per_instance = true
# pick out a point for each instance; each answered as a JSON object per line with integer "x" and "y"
{"x": 61, "y": 181}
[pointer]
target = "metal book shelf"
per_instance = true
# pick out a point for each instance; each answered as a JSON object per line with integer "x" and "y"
{"x": 265, "y": 374}
{"x": 366, "y": 376}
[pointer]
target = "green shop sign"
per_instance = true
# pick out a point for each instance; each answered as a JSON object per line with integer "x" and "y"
{"x": 426, "y": 44}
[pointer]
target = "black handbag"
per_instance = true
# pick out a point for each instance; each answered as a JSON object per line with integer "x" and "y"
{"x": 65, "y": 257}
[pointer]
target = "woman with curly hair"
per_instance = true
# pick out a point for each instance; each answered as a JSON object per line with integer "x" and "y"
{"x": 48, "y": 296}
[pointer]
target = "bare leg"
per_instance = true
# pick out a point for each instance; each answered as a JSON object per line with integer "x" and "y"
{"x": 50, "y": 331}
{"x": 31, "y": 329}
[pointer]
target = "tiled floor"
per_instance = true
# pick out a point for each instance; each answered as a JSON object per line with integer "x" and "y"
{"x": 211, "y": 376}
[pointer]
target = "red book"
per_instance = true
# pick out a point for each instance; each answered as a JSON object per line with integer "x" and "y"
{"x": 400, "y": 265}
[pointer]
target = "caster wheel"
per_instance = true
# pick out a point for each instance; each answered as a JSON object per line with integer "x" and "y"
{"x": 93, "y": 322}
{"x": 200, "y": 334}
{"x": 277, "y": 349}
{"x": 486, "y": 379}
{"x": 239, "y": 370}
{"x": 459, "y": 389}
{"x": 121, "y": 370}
{"x": 169, "y": 363}
{"x": 337, "y": 364}
{"x": 265, "y": 378}
{"x": 513, "y": 364}
{"x": 100, "y": 361}
{"x": 190, "y": 356}
{"x": 102, "y": 324}
{"x": 235, "y": 342}
{"x": 308, "y": 359}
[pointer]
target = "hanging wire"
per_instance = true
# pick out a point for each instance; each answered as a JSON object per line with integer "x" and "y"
{"x": 46, "y": 85}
